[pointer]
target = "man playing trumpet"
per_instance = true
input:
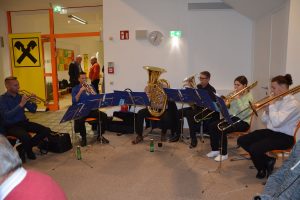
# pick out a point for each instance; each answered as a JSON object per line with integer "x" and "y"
{"x": 12, "y": 106}
{"x": 80, "y": 94}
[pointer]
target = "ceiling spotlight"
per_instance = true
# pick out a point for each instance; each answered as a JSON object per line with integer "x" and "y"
{"x": 78, "y": 19}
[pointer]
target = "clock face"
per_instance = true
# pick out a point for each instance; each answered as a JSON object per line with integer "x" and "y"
{"x": 155, "y": 38}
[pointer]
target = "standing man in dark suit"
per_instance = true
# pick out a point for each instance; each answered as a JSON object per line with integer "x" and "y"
{"x": 74, "y": 71}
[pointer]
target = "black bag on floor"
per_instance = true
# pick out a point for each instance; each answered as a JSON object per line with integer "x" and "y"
{"x": 59, "y": 142}
{"x": 125, "y": 126}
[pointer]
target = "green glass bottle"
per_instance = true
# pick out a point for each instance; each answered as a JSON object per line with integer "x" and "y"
{"x": 151, "y": 145}
{"x": 78, "y": 153}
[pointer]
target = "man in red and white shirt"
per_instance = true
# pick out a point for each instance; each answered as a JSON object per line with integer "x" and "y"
{"x": 94, "y": 73}
{"x": 21, "y": 184}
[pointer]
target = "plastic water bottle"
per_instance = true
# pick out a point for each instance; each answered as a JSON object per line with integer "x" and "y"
{"x": 78, "y": 153}
{"x": 151, "y": 145}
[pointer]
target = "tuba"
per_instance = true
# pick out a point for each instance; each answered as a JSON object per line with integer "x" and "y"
{"x": 155, "y": 91}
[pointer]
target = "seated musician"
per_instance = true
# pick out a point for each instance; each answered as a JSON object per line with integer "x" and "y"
{"x": 169, "y": 118}
{"x": 281, "y": 117}
{"x": 79, "y": 95}
{"x": 190, "y": 112}
{"x": 12, "y": 108}
{"x": 237, "y": 104}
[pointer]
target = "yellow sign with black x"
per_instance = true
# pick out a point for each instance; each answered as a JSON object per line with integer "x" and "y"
{"x": 25, "y": 50}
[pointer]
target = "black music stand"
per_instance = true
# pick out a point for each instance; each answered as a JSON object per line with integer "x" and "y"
{"x": 101, "y": 101}
{"x": 134, "y": 99}
{"x": 74, "y": 112}
{"x": 182, "y": 97}
{"x": 222, "y": 108}
{"x": 202, "y": 99}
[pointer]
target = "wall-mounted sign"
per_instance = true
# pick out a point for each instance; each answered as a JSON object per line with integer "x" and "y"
{"x": 176, "y": 34}
{"x": 124, "y": 35}
{"x": 25, "y": 50}
{"x": 111, "y": 68}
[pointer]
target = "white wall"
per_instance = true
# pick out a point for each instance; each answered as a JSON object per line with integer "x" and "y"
{"x": 293, "y": 48}
{"x": 4, "y": 52}
{"x": 217, "y": 41}
{"x": 270, "y": 43}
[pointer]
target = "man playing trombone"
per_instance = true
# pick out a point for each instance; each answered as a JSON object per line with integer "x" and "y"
{"x": 190, "y": 112}
{"x": 12, "y": 108}
{"x": 281, "y": 115}
{"x": 237, "y": 104}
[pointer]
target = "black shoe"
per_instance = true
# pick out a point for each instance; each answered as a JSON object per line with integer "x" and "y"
{"x": 104, "y": 140}
{"x": 174, "y": 139}
{"x": 137, "y": 140}
{"x": 270, "y": 166}
{"x": 261, "y": 174}
{"x": 21, "y": 153}
{"x": 31, "y": 155}
{"x": 83, "y": 142}
{"x": 194, "y": 143}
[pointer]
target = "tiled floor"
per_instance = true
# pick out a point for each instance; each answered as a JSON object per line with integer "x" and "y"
{"x": 120, "y": 170}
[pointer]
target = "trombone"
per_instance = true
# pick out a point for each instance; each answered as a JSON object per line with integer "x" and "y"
{"x": 228, "y": 99}
{"x": 33, "y": 98}
{"x": 258, "y": 106}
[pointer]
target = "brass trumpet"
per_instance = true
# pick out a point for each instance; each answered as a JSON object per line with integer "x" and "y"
{"x": 258, "y": 106}
{"x": 228, "y": 99}
{"x": 88, "y": 88}
{"x": 33, "y": 98}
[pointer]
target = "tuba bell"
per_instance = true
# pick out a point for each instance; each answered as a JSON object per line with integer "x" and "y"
{"x": 155, "y": 92}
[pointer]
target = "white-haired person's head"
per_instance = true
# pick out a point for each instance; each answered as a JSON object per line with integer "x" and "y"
{"x": 10, "y": 160}
{"x": 78, "y": 59}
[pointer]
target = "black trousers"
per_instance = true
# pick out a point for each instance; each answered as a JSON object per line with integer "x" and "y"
{"x": 21, "y": 131}
{"x": 258, "y": 142}
{"x": 95, "y": 84}
{"x": 79, "y": 124}
{"x": 216, "y": 135}
{"x": 169, "y": 120}
{"x": 194, "y": 127}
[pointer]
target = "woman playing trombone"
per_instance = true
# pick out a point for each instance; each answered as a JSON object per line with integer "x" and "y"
{"x": 281, "y": 115}
{"x": 237, "y": 104}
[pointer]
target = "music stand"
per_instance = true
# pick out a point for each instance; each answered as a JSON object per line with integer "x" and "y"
{"x": 102, "y": 101}
{"x": 74, "y": 112}
{"x": 134, "y": 99}
{"x": 222, "y": 108}
{"x": 182, "y": 97}
{"x": 202, "y": 99}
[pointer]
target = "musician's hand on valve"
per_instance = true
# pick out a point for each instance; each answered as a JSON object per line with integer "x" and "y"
{"x": 24, "y": 100}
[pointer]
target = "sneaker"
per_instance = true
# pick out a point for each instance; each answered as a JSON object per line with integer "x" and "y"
{"x": 221, "y": 158}
{"x": 213, "y": 154}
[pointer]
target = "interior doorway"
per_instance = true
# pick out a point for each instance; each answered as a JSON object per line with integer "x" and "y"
{"x": 62, "y": 39}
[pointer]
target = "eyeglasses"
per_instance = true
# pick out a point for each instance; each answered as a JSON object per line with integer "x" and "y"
{"x": 202, "y": 78}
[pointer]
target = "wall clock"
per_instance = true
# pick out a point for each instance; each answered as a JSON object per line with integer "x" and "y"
{"x": 155, "y": 38}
